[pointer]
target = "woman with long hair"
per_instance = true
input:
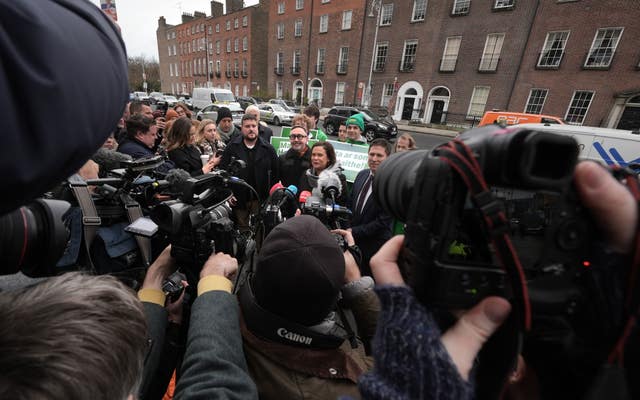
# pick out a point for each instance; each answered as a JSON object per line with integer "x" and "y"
{"x": 325, "y": 168}
{"x": 207, "y": 139}
{"x": 182, "y": 150}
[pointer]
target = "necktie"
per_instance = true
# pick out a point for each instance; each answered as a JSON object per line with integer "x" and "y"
{"x": 363, "y": 194}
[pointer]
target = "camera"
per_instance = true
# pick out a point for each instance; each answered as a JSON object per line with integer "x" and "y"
{"x": 172, "y": 286}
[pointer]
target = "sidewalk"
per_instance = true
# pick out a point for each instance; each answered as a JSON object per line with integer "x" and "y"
{"x": 402, "y": 126}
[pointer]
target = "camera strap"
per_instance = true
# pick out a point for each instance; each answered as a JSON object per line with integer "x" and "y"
{"x": 461, "y": 159}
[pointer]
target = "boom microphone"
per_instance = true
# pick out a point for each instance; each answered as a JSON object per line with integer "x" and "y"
{"x": 177, "y": 178}
{"x": 329, "y": 185}
{"x": 109, "y": 159}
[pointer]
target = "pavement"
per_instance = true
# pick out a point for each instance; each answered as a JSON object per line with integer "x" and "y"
{"x": 405, "y": 127}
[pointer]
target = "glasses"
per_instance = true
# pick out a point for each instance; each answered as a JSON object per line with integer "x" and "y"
{"x": 297, "y": 136}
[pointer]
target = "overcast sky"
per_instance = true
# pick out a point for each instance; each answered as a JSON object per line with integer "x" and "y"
{"x": 138, "y": 20}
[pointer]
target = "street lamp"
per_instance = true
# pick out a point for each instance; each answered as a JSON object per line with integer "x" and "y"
{"x": 376, "y": 5}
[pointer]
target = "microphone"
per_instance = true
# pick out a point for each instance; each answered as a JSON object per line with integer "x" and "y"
{"x": 276, "y": 187}
{"x": 289, "y": 193}
{"x": 109, "y": 159}
{"x": 304, "y": 196}
{"x": 329, "y": 185}
{"x": 176, "y": 178}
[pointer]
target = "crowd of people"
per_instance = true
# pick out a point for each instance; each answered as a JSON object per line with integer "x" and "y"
{"x": 315, "y": 319}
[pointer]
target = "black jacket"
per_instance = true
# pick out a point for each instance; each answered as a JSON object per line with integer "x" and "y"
{"x": 136, "y": 149}
{"x": 187, "y": 158}
{"x": 265, "y": 171}
{"x": 293, "y": 167}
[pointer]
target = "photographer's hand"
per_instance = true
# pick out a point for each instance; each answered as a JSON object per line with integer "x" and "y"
{"x": 611, "y": 204}
{"x": 220, "y": 264}
{"x": 464, "y": 340}
{"x": 351, "y": 269}
{"x": 161, "y": 268}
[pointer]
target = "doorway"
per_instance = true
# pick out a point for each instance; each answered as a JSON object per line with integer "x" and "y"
{"x": 407, "y": 108}
{"x": 436, "y": 113}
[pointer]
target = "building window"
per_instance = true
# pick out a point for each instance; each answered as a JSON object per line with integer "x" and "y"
{"x": 553, "y": 49}
{"x": 244, "y": 67}
{"x": 382, "y": 50}
{"x": 450, "y": 54}
{"x": 170, "y": 69}
{"x": 228, "y": 45}
{"x": 217, "y": 47}
{"x": 245, "y": 21}
{"x": 168, "y": 36}
{"x": 298, "y": 27}
{"x": 174, "y": 50}
{"x": 387, "y": 94}
{"x": 210, "y": 30}
{"x": 325, "y": 1}
{"x": 503, "y": 4}
{"x": 235, "y": 68}
{"x": 339, "y": 99}
{"x": 295, "y": 67}
{"x": 299, "y": 4}
{"x": 217, "y": 28}
{"x": 280, "y": 30}
{"x": 603, "y": 48}
{"x": 478, "y": 101}
{"x": 169, "y": 49}
{"x": 461, "y": 7}
{"x": 279, "y": 63}
{"x": 218, "y": 67}
{"x": 419, "y": 10}
{"x": 536, "y": 100}
{"x": 579, "y": 107}
{"x": 407, "y": 63}
{"x": 229, "y": 25}
{"x": 320, "y": 61}
{"x": 236, "y": 43}
{"x": 175, "y": 68}
{"x": 245, "y": 44}
{"x": 236, "y": 23}
{"x": 386, "y": 15}
{"x": 346, "y": 19}
{"x": 281, "y": 7}
{"x": 324, "y": 23}
{"x": 491, "y": 53}
{"x": 343, "y": 60}
{"x": 279, "y": 90}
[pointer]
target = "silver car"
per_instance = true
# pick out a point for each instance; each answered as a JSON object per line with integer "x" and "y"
{"x": 211, "y": 112}
{"x": 275, "y": 114}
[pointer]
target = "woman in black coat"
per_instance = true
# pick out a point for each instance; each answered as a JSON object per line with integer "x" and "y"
{"x": 183, "y": 152}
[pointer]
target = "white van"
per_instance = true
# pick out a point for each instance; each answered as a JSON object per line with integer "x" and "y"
{"x": 202, "y": 97}
{"x": 610, "y": 146}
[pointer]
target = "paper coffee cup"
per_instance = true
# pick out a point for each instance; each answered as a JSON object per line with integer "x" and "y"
{"x": 205, "y": 159}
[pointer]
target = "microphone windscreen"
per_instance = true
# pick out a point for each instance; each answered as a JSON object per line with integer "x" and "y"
{"x": 275, "y": 187}
{"x": 109, "y": 159}
{"x": 176, "y": 177}
{"x": 327, "y": 179}
{"x": 304, "y": 195}
{"x": 293, "y": 189}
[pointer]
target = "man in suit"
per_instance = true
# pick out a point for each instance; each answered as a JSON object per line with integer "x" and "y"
{"x": 370, "y": 225}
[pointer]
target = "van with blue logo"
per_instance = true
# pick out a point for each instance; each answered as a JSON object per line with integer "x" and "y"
{"x": 604, "y": 145}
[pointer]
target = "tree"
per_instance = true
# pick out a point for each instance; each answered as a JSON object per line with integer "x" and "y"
{"x": 151, "y": 69}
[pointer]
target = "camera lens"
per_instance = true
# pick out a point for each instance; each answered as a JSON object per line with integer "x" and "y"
{"x": 395, "y": 179}
{"x": 33, "y": 238}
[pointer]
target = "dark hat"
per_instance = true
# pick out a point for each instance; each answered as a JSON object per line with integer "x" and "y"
{"x": 300, "y": 271}
{"x": 223, "y": 112}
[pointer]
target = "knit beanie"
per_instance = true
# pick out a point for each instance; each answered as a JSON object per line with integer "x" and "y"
{"x": 356, "y": 119}
{"x": 223, "y": 112}
{"x": 171, "y": 114}
{"x": 300, "y": 271}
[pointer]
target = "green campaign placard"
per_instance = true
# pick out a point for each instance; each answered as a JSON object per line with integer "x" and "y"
{"x": 286, "y": 131}
{"x": 352, "y": 157}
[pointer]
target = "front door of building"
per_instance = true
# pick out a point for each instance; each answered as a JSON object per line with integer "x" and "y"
{"x": 407, "y": 108}
{"x": 436, "y": 113}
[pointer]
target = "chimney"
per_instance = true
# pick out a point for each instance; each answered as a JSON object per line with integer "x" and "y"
{"x": 162, "y": 22}
{"x": 216, "y": 9}
{"x": 186, "y": 17}
{"x": 234, "y": 5}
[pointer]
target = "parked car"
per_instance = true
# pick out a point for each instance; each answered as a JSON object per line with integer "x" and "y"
{"x": 155, "y": 97}
{"x": 170, "y": 100}
{"x": 287, "y": 105}
{"x": 374, "y": 125}
{"x": 211, "y": 112}
{"x": 186, "y": 99}
{"x": 513, "y": 118}
{"x": 246, "y": 101}
{"x": 140, "y": 96}
{"x": 275, "y": 114}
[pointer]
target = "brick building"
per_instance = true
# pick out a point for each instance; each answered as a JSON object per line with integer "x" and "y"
{"x": 314, "y": 50}
{"x": 582, "y": 63}
{"x": 227, "y": 50}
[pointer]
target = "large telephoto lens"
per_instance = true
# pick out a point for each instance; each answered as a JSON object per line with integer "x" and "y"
{"x": 33, "y": 238}
{"x": 395, "y": 179}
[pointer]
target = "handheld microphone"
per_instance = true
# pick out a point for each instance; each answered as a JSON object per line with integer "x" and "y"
{"x": 304, "y": 196}
{"x": 289, "y": 193}
{"x": 276, "y": 187}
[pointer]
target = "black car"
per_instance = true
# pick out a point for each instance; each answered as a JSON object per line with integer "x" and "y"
{"x": 246, "y": 101}
{"x": 374, "y": 125}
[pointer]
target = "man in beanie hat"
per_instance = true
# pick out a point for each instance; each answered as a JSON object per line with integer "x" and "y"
{"x": 355, "y": 128}
{"x": 307, "y": 314}
{"x": 225, "y": 127}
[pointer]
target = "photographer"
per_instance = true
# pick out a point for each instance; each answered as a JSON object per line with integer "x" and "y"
{"x": 307, "y": 314}
{"x": 414, "y": 361}
{"x": 142, "y": 133}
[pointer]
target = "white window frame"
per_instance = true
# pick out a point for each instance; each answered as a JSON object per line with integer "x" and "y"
{"x": 228, "y": 25}
{"x": 236, "y": 23}
{"x": 461, "y": 7}
{"x": 550, "y": 52}
{"x": 279, "y": 89}
{"x": 325, "y": 1}
{"x": 478, "y": 99}
{"x": 596, "y": 45}
{"x": 491, "y": 53}
{"x": 340, "y": 89}
{"x": 175, "y": 69}
{"x": 321, "y": 60}
{"x": 281, "y": 7}
{"x": 387, "y": 93}
{"x": 324, "y": 23}
{"x": 245, "y": 44}
{"x": 280, "y": 31}
{"x": 280, "y": 62}
{"x": 419, "y": 12}
{"x": 533, "y": 104}
{"x": 297, "y": 57}
{"x": 343, "y": 59}
{"x": 245, "y": 67}
{"x": 403, "y": 61}
{"x": 386, "y": 14}
{"x": 236, "y": 45}
{"x": 170, "y": 69}
{"x": 217, "y": 28}
{"x": 500, "y": 4}
{"x": 450, "y": 53}
{"x": 347, "y": 17}
{"x": 379, "y": 61}
{"x": 298, "y": 28}
{"x": 217, "y": 47}
{"x": 245, "y": 20}
{"x": 228, "y": 45}
{"x": 299, "y": 4}
{"x": 570, "y": 120}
